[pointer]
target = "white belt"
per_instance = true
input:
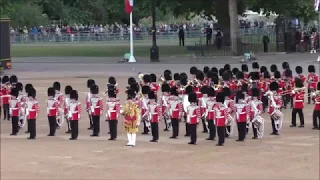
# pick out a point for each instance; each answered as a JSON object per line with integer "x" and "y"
{"x": 242, "y": 113}
{"x": 298, "y": 100}
{"x": 112, "y": 111}
{"x": 220, "y": 117}
{"x": 317, "y": 102}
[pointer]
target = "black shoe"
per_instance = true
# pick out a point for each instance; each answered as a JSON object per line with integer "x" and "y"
{"x": 277, "y": 134}
{"x": 72, "y": 138}
{"x": 319, "y": 128}
{"x": 204, "y": 131}
{"x": 108, "y": 132}
{"x": 166, "y": 129}
{"x": 8, "y": 119}
{"x": 112, "y": 139}
{"x": 301, "y": 126}
{"x": 315, "y": 128}
{"x": 219, "y": 144}
{"x": 186, "y": 135}
{"x": 145, "y": 133}
{"x": 51, "y": 135}
{"x": 94, "y": 135}
{"x": 172, "y": 137}
{"x": 293, "y": 125}
{"x": 31, "y": 138}
{"x": 27, "y": 132}
{"x": 68, "y": 132}
{"x": 239, "y": 140}
{"x": 90, "y": 128}
{"x": 226, "y": 136}
{"x": 58, "y": 127}
{"x": 13, "y": 134}
{"x": 209, "y": 139}
{"x": 254, "y": 137}
{"x": 193, "y": 143}
{"x": 153, "y": 140}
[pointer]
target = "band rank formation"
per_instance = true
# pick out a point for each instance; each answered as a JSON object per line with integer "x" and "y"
{"x": 215, "y": 100}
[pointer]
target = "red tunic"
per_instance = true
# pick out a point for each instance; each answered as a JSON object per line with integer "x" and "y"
{"x": 14, "y": 107}
{"x": 202, "y": 105}
{"x": 210, "y": 106}
{"x": 154, "y": 110}
{"x": 313, "y": 80}
{"x": 175, "y": 108}
{"x": 278, "y": 103}
{"x": 258, "y": 104}
{"x": 302, "y": 77}
{"x": 60, "y": 99}
{"x": 281, "y": 86}
{"x": 113, "y": 109}
{"x": 193, "y": 114}
{"x": 74, "y": 112}
{"x": 96, "y": 105}
{"x": 221, "y": 114}
{"x": 32, "y": 109}
{"x": 242, "y": 112}
{"x": 298, "y": 100}
{"x": 164, "y": 102}
{"x": 317, "y": 102}
{"x": 144, "y": 107}
{"x": 52, "y": 107}
{"x": 5, "y": 95}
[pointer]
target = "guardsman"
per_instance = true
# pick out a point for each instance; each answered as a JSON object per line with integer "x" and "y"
{"x": 288, "y": 86}
{"x": 298, "y": 103}
{"x": 27, "y": 88}
{"x": 312, "y": 80}
{"x": 206, "y": 69}
{"x": 215, "y": 70}
{"x": 165, "y": 88}
{"x": 256, "y": 109}
{"x": 278, "y": 79}
{"x": 245, "y": 70}
{"x": 316, "y": 111}
{"x": 154, "y": 86}
{"x": 144, "y": 113}
{"x": 300, "y": 75}
{"x": 5, "y": 95}
{"x": 32, "y": 112}
{"x": 240, "y": 80}
{"x": 14, "y": 111}
{"x": 247, "y": 97}
{"x": 234, "y": 73}
{"x": 209, "y": 114}
{"x": 199, "y": 83}
{"x": 113, "y": 111}
{"x": 112, "y": 82}
{"x": 264, "y": 89}
{"x": 132, "y": 118}
{"x": 256, "y": 67}
{"x": 202, "y": 101}
{"x": 193, "y": 73}
{"x": 181, "y": 87}
{"x": 168, "y": 78}
{"x": 208, "y": 77}
{"x": 273, "y": 69}
{"x": 185, "y": 104}
{"x": 176, "y": 78}
{"x": 13, "y": 81}
{"x": 263, "y": 69}
{"x": 230, "y": 104}
{"x": 226, "y": 80}
{"x": 275, "y": 103}
{"x": 22, "y": 97}
{"x": 221, "y": 113}
{"x": 242, "y": 115}
{"x": 67, "y": 92}
{"x": 90, "y": 82}
{"x": 285, "y": 66}
{"x": 175, "y": 111}
{"x": 52, "y": 111}
{"x": 59, "y": 97}
{"x": 96, "y": 109}
{"x": 154, "y": 115}
{"x": 146, "y": 80}
{"x": 227, "y": 67}
{"x": 193, "y": 117}
{"x": 221, "y": 71}
{"x": 74, "y": 114}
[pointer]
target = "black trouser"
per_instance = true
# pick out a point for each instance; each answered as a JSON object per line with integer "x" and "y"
{"x": 286, "y": 98}
{"x": 155, "y": 131}
{"x": 221, "y": 134}
{"x": 274, "y": 130}
{"x": 193, "y": 133}
{"x": 205, "y": 128}
{"x": 15, "y": 124}
{"x": 68, "y": 122}
{"x": 241, "y": 130}
{"x": 309, "y": 95}
{"x": 0, "y": 111}
{"x": 113, "y": 129}
{"x": 6, "y": 114}
{"x": 212, "y": 129}
{"x": 208, "y": 40}
{"x": 52, "y": 125}
{"x": 187, "y": 129}
{"x": 145, "y": 128}
{"x": 90, "y": 121}
{"x": 227, "y": 129}
{"x": 264, "y": 100}
{"x": 181, "y": 41}
{"x": 32, "y": 128}
{"x": 294, "y": 116}
{"x": 74, "y": 125}
{"x": 175, "y": 127}
{"x": 96, "y": 125}
{"x": 316, "y": 118}
{"x": 255, "y": 131}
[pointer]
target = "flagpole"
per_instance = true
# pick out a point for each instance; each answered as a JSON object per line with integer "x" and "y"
{"x": 132, "y": 59}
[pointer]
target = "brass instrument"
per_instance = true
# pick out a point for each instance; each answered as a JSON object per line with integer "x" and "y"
{"x": 140, "y": 76}
{"x": 216, "y": 87}
{"x": 314, "y": 94}
{"x": 161, "y": 80}
{"x": 194, "y": 82}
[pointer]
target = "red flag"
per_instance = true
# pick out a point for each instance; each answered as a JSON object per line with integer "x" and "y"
{"x": 128, "y": 6}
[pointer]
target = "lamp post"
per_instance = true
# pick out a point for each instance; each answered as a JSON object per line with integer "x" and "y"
{"x": 154, "y": 50}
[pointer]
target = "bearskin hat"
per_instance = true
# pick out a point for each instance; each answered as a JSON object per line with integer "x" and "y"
{"x": 244, "y": 87}
{"x": 266, "y": 75}
{"x": 183, "y": 76}
{"x": 298, "y": 83}
{"x": 94, "y": 89}
{"x": 215, "y": 75}
{"x": 220, "y": 97}
{"x": 226, "y": 76}
{"x": 299, "y": 70}
{"x": 285, "y": 65}
{"x": 13, "y": 79}
{"x": 200, "y": 75}
{"x": 221, "y": 71}
{"x": 193, "y": 70}
{"x": 167, "y": 75}
{"x": 240, "y": 75}
{"x": 274, "y": 86}
{"x": 146, "y": 78}
{"x": 90, "y": 82}
{"x": 5, "y": 79}
{"x": 227, "y": 67}
{"x": 239, "y": 95}
{"x": 151, "y": 95}
{"x": 214, "y": 69}
{"x": 19, "y": 86}
{"x": 311, "y": 69}
{"x": 153, "y": 78}
{"x": 131, "y": 94}
{"x": 244, "y": 68}
{"x": 51, "y": 91}
{"x": 255, "y": 65}
{"x": 67, "y": 90}
{"x": 184, "y": 81}
{"x": 145, "y": 89}
{"x": 176, "y": 76}
{"x": 204, "y": 90}
{"x": 112, "y": 92}
{"x": 273, "y": 68}
{"x": 255, "y": 75}
{"x": 131, "y": 80}
{"x": 112, "y": 80}
{"x": 211, "y": 92}
{"x": 27, "y": 87}
{"x": 263, "y": 69}
{"x": 14, "y": 92}
{"x": 226, "y": 91}
{"x": 288, "y": 73}
{"x": 165, "y": 87}
{"x": 210, "y": 74}
{"x": 32, "y": 92}
{"x": 255, "y": 92}
{"x": 174, "y": 91}
{"x": 74, "y": 95}
{"x": 318, "y": 86}
{"x": 57, "y": 86}
{"x": 189, "y": 89}
{"x": 166, "y": 72}
{"x": 235, "y": 71}
{"x": 277, "y": 74}
{"x": 215, "y": 80}
{"x": 192, "y": 98}
{"x": 206, "y": 69}
{"x": 135, "y": 87}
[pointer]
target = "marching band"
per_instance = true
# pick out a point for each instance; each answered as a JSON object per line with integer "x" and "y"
{"x": 219, "y": 100}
